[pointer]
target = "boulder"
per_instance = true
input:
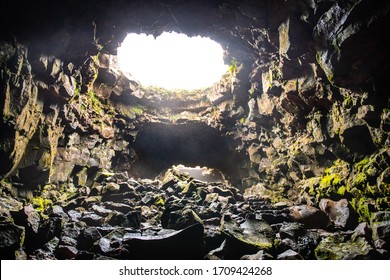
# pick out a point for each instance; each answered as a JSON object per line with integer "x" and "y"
{"x": 11, "y": 239}
{"x": 184, "y": 244}
{"x": 310, "y": 216}
{"x": 340, "y": 213}
{"x": 289, "y": 255}
{"x": 337, "y": 247}
{"x": 246, "y": 239}
{"x": 291, "y": 230}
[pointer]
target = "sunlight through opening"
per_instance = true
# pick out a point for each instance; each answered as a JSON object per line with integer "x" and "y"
{"x": 172, "y": 60}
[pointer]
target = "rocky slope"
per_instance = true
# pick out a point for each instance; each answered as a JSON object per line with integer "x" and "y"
{"x": 299, "y": 128}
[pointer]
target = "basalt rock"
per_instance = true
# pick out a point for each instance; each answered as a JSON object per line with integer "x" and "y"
{"x": 187, "y": 243}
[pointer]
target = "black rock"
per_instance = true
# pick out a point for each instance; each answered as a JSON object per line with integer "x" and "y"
{"x": 92, "y": 219}
{"x": 291, "y": 230}
{"x": 11, "y": 239}
{"x": 88, "y": 237}
{"x": 186, "y": 244}
{"x": 65, "y": 252}
{"x": 289, "y": 255}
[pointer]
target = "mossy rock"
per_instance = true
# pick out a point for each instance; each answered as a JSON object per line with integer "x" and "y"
{"x": 339, "y": 248}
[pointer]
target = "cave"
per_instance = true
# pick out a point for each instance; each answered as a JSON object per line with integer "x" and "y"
{"x": 161, "y": 146}
{"x": 285, "y": 157}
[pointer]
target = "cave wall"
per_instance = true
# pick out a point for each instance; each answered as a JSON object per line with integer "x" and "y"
{"x": 308, "y": 106}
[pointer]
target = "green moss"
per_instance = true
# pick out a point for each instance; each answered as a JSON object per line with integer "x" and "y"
{"x": 137, "y": 110}
{"x": 22, "y": 238}
{"x": 159, "y": 201}
{"x": 347, "y": 101}
{"x": 362, "y": 208}
{"x": 330, "y": 180}
{"x": 260, "y": 243}
{"x": 361, "y": 164}
{"x": 94, "y": 101}
{"x": 41, "y": 204}
{"x": 342, "y": 190}
{"x": 233, "y": 68}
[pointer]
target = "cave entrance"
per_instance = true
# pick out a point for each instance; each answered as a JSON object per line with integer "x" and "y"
{"x": 204, "y": 173}
{"x": 160, "y": 146}
{"x": 172, "y": 61}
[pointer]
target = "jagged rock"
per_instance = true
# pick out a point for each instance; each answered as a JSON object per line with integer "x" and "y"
{"x": 339, "y": 248}
{"x": 104, "y": 245}
{"x": 110, "y": 188}
{"x": 339, "y": 212}
{"x": 289, "y": 255}
{"x": 7, "y": 205}
{"x": 28, "y": 217}
{"x": 120, "y": 207}
{"x": 381, "y": 235}
{"x": 68, "y": 241}
{"x": 59, "y": 211}
{"x": 101, "y": 211}
{"x": 339, "y": 29}
{"x": 74, "y": 215}
{"x": 64, "y": 252}
{"x": 291, "y": 230}
{"x": 92, "y": 219}
{"x": 357, "y": 138}
{"x": 80, "y": 179}
{"x": 88, "y": 237}
{"x": 261, "y": 255}
{"x": 130, "y": 219}
{"x": 11, "y": 239}
{"x": 182, "y": 218}
{"x": 247, "y": 238}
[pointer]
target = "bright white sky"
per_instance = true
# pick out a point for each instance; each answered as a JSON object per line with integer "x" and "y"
{"x": 172, "y": 60}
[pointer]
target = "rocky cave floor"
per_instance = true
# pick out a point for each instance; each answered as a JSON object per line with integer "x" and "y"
{"x": 180, "y": 217}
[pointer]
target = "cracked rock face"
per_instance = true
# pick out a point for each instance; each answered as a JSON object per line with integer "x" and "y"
{"x": 298, "y": 130}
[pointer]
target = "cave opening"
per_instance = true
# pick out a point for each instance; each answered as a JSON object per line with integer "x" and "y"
{"x": 195, "y": 147}
{"x": 172, "y": 60}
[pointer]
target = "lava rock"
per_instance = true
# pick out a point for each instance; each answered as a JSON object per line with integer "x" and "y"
{"x": 123, "y": 208}
{"x": 101, "y": 211}
{"x": 246, "y": 240}
{"x": 381, "y": 236}
{"x": 289, "y": 255}
{"x": 92, "y": 219}
{"x": 11, "y": 239}
{"x": 291, "y": 230}
{"x": 182, "y": 218}
{"x": 261, "y": 255}
{"x": 88, "y": 237}
{"x": 65, "y": 252}
{"x": 130, "y": 219}
{"x": 186, "y": 244}
{"x": 28, "y": 217}
{"x": 7, "y": 205}
{"x": 74, "y": 215}
{"x": 310, "y": 216}
{"x": 338, "y": 248}
{"x": 340, "y": 213}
